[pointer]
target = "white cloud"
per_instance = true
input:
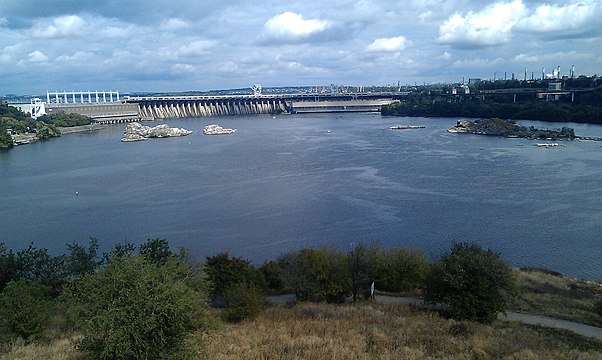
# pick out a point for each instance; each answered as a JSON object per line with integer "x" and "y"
{"x": 526, "y": 58}
{"x": 573, "y": 18}
{"x": 37, "y": 56}
{"x": 184, "y": 68}
{"x": 477, "y": 63}
{"x": 62, "y": 26}
{"x": 78, "y": 57}
{"x": 393, "y": 44}
{"x": 491, "y": 26}
{"x": 3, "y": 21}
{"x": 195, "y": 48}
{"x": 291, "y": 25}
{"x": 425, "y": 16}
{"x": 446, "y": 56}
{"x": 174, "y": 24}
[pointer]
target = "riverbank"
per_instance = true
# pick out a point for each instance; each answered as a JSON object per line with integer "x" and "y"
{"x": 28, "y": 138}
{"x": 82, "y": 128}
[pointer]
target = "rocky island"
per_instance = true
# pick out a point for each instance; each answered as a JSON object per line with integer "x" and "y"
{"x": 137, "y": 132}
{"x": 215, "y": 129}
{"x": 507, "y": 128}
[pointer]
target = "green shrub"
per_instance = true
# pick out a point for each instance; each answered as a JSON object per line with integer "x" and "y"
{"x": 472, "y": 283}
{"x": 598, "y": 307}
{"x": 136, "y": 309}
{"x": 243, "y": 301}
{"x": 225, "y": 271}
{"x": 317, "y": 275}
{"x": 24, "y": 308}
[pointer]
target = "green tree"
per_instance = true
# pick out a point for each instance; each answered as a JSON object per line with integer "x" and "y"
{"x": 361, "y": 271}
{"x": 317, "y": 275}
{"x": 472, "y": 283}
{"x": 6, "y": 141}
{"x": 225, "y": 271}
{"x": 243, "y": 301}
{"x": 24, "y": 307}
{"x": 136, "y": 309}
{"x": 80, "y": 260}
{"x": 156, "y": 250}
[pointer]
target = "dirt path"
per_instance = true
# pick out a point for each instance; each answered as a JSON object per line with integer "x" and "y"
{"x": 578, "y": 328}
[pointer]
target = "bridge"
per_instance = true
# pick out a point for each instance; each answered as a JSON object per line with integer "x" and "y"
{"x": 160, "y": 107}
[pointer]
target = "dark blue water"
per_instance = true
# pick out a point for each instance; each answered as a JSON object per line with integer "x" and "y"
{"x": 286, "y": 183}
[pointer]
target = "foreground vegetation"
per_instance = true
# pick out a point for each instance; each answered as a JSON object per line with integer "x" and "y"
{"x": 152, "y": 302}
{"x": 370, "y": 331}
{"x": 361, "y": 331}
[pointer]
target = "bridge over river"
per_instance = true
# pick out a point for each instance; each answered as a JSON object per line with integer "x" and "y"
{"x": 160, "y": 107}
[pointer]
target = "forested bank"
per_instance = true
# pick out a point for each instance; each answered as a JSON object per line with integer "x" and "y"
{"x": 586, "y": 107}
{"x": 15, "y": 122}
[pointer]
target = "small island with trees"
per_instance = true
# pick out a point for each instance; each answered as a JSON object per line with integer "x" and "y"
{"x": 500, "y": 127}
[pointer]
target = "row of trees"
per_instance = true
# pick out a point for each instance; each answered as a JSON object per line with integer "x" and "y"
{"x": 143, "y": 303}
{"x": 587, "y": 108}
{"x": 471, "y": 282}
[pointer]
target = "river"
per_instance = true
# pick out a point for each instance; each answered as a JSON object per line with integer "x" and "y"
{"x": 289, "y": 182}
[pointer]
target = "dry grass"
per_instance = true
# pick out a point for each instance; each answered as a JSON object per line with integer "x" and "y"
{"x": 319, "y": 331}
{"x": 557, "y": 296}
{"x": 62, "y": 349}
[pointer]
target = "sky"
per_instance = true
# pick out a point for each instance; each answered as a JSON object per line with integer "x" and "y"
{"x": 199, "y": 45}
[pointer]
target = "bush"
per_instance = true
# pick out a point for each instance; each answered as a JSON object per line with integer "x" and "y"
{"x": 24, "y": 308}
{"x": 243, "y": 301}
{"x": 472, "y": 283}
{"x": 135, "y": 309}
{"x": 598, "y": 307}
{"x": 317, "y": 275}
{"x": 399, "y": 269}
{"x": 225, "y": 271}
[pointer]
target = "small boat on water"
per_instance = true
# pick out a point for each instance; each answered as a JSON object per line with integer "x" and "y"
{"x": 547, "y": 145}
{"x": 404, "y": 127}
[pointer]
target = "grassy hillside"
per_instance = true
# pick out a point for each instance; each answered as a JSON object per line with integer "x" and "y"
{"x": 366, "y": 331}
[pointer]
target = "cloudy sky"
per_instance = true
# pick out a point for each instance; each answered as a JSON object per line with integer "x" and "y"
{"x": 179, "y": 45}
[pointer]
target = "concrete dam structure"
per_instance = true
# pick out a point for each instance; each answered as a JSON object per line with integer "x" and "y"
{"x": 200, "y": 106}
{"x": 128, "y": 109}
{"x": 162, "y": 107}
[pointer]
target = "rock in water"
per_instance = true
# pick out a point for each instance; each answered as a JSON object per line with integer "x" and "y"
{"x": 215, "y": 129}
{"x": 137, "y": 132}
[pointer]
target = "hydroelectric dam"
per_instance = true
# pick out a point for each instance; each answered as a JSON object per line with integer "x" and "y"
{"x": 161, "y": 107}
{"x": 113, "y": 109}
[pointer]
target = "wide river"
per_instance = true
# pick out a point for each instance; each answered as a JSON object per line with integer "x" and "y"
{"x": 298, "y": 181}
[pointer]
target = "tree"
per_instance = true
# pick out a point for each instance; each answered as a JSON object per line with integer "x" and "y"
{"x": 80, "y": 260}
{"x": 136, "y": 309}
{"x": 361, "y": 270}
{"x": 317, "y": 275}
{"x": 24, "y": 307}
{"x": 156, "y": 250}
{"x": 243, "y": 301}
{"x": 472, "y": 283}
{"x": 225, "y": 271}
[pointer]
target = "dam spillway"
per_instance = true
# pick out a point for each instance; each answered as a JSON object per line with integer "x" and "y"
{"x": 162, "y": 107}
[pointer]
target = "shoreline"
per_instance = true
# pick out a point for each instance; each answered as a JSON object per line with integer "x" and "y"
{"x": 28, "y": 138}
{"x": 81, "y": 128}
